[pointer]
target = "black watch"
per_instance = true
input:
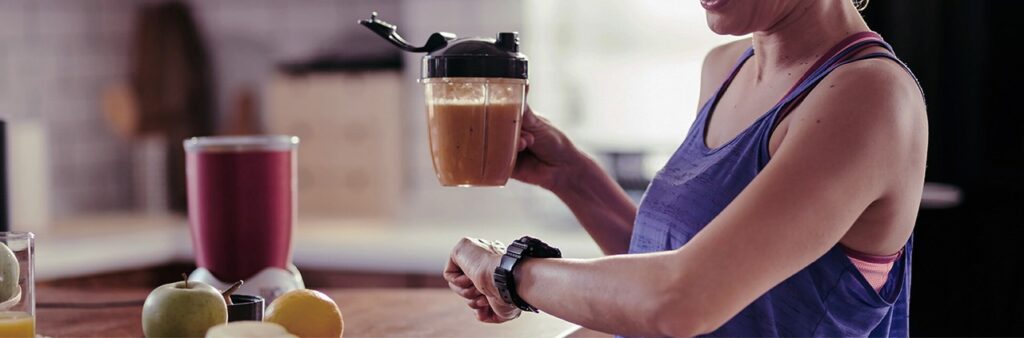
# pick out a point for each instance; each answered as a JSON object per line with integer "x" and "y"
{"x": 504, "y": 277}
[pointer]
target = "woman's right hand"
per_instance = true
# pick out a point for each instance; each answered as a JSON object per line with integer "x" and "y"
{"x": 546, "y": 156}
{"x": 548, "y": 159}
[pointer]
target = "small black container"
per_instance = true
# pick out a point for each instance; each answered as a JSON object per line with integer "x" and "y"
{"x": 245, "y": 307}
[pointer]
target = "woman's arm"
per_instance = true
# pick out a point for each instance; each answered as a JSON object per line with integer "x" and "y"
{"x": 601, "y": 206}
{"x": 548, "y": 159}
{"x": 840, "y": 154}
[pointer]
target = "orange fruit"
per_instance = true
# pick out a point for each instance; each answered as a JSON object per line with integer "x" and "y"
{"x": 306, "y": 313}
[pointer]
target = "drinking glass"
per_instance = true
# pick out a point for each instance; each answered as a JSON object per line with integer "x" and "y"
{"x": 17, "y": 284}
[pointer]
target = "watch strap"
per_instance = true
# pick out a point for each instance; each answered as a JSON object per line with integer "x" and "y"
{"x": 518, "y": 251}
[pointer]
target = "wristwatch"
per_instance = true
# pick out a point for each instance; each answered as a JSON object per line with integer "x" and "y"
{"x": 504, "y": 274}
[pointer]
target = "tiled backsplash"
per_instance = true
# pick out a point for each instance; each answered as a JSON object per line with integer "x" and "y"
{"x": 55, "y": 59}
{"x": 57, "y": 56}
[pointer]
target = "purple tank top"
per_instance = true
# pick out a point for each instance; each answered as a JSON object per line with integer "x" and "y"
{"x": 827, "y": 298}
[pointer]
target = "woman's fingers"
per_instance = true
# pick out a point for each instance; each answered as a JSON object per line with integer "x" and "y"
{"x": 461, "y": 284}
{"x": 482, "y": 301}
{"x": 464, "y": 266}
{"x": 525, "y": 140}
{"x": 464, "y": 292}
{"x": 479, "y": 303}
{"x": 487, "y": 315}
{"x": 475, "y": 303}
{"x": 452, "y": 271}
{"x": 469, "y": 293}
{"x": 464, "y": 287}
{"x": 530, "y": 121}
{"x": 483, "y": 314}
{"x": 463, "y": 281}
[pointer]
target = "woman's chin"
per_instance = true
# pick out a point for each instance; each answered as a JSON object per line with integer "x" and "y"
{"x": 721, "y": 27}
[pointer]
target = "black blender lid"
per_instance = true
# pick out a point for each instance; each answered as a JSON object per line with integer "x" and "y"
{"x": 478, "y": 57}
{"x": 471, "y": 57}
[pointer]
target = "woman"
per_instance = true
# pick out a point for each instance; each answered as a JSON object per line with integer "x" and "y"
{"x": 775, "y": 217}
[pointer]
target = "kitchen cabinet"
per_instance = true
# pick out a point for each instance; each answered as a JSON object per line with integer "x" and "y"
{"x": 350, "y": 156}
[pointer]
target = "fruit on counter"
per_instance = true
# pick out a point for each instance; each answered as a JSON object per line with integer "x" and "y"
{"x": 10, "y": 271}
{"x": 183, "y": 309}
{"x": 245, "y": 329}
{"x": 306, "y": 313}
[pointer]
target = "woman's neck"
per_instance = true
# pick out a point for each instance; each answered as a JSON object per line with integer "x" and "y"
{"x": 804, "y": 34}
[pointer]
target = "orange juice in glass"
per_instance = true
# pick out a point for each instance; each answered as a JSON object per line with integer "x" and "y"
{"x": 17, "y": 284}
{"x": 17, "y": 324}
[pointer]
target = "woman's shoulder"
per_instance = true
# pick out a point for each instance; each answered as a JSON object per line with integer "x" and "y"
{"x": 873, "y": 99}
{"x": 876, "y": 83}
{"x": 718, "y": 63}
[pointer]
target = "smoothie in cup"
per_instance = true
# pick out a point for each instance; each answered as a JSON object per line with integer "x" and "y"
{"x": 474, "y": 127}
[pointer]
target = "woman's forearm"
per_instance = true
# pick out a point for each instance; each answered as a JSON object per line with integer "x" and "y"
{"x": 622, "y": 294}
{"x": 600, "y": 205}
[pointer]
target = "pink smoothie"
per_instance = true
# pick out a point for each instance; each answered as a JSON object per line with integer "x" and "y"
{"x": 240, "y": 210}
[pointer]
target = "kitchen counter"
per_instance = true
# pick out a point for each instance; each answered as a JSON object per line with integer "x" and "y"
{"x": 89, "y": 245}
{"x": 105, "y": 243}
{"x": 367, "y": 313}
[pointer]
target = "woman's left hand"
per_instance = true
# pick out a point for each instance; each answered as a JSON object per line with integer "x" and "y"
{"x": 470, "y": 273}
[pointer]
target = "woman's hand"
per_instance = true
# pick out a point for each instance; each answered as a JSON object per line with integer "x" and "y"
{"x": 546, "y": 156}
{"x": 548, "y": 159}
{"x": 470, "y": 272}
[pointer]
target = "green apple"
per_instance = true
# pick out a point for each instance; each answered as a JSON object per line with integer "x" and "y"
{"x": 10, "y": 271}
{"x": 183, "y": 309}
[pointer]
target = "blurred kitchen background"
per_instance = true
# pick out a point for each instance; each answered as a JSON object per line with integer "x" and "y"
{"x": 98, "y": 94}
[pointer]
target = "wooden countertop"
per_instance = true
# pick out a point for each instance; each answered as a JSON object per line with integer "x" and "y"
{"x": 367, "y": 312}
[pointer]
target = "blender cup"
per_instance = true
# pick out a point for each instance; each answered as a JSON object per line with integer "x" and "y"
{"x": 241, "y": 202}
{"x": 474, "y": 127}
{"x": 475, "y": 91}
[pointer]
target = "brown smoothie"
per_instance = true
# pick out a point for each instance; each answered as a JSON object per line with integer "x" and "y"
{"x": 472, "y": 144}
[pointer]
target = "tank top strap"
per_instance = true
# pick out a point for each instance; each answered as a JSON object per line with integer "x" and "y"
{"x": 843, "y": 49}
{"x": 799, "y": 92}
{"x": 842, "y": 55}
{"x": 712, "y": 101}
{"x": 736, "y": 66}
{"x": 815, "y": 80}
{"x": 732, "y": 73}
{"x": 824, "y": 67}
{"x": 838, "y": 51}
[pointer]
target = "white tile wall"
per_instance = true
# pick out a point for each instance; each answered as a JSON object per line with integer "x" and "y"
{"x": 56, "y": 56}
